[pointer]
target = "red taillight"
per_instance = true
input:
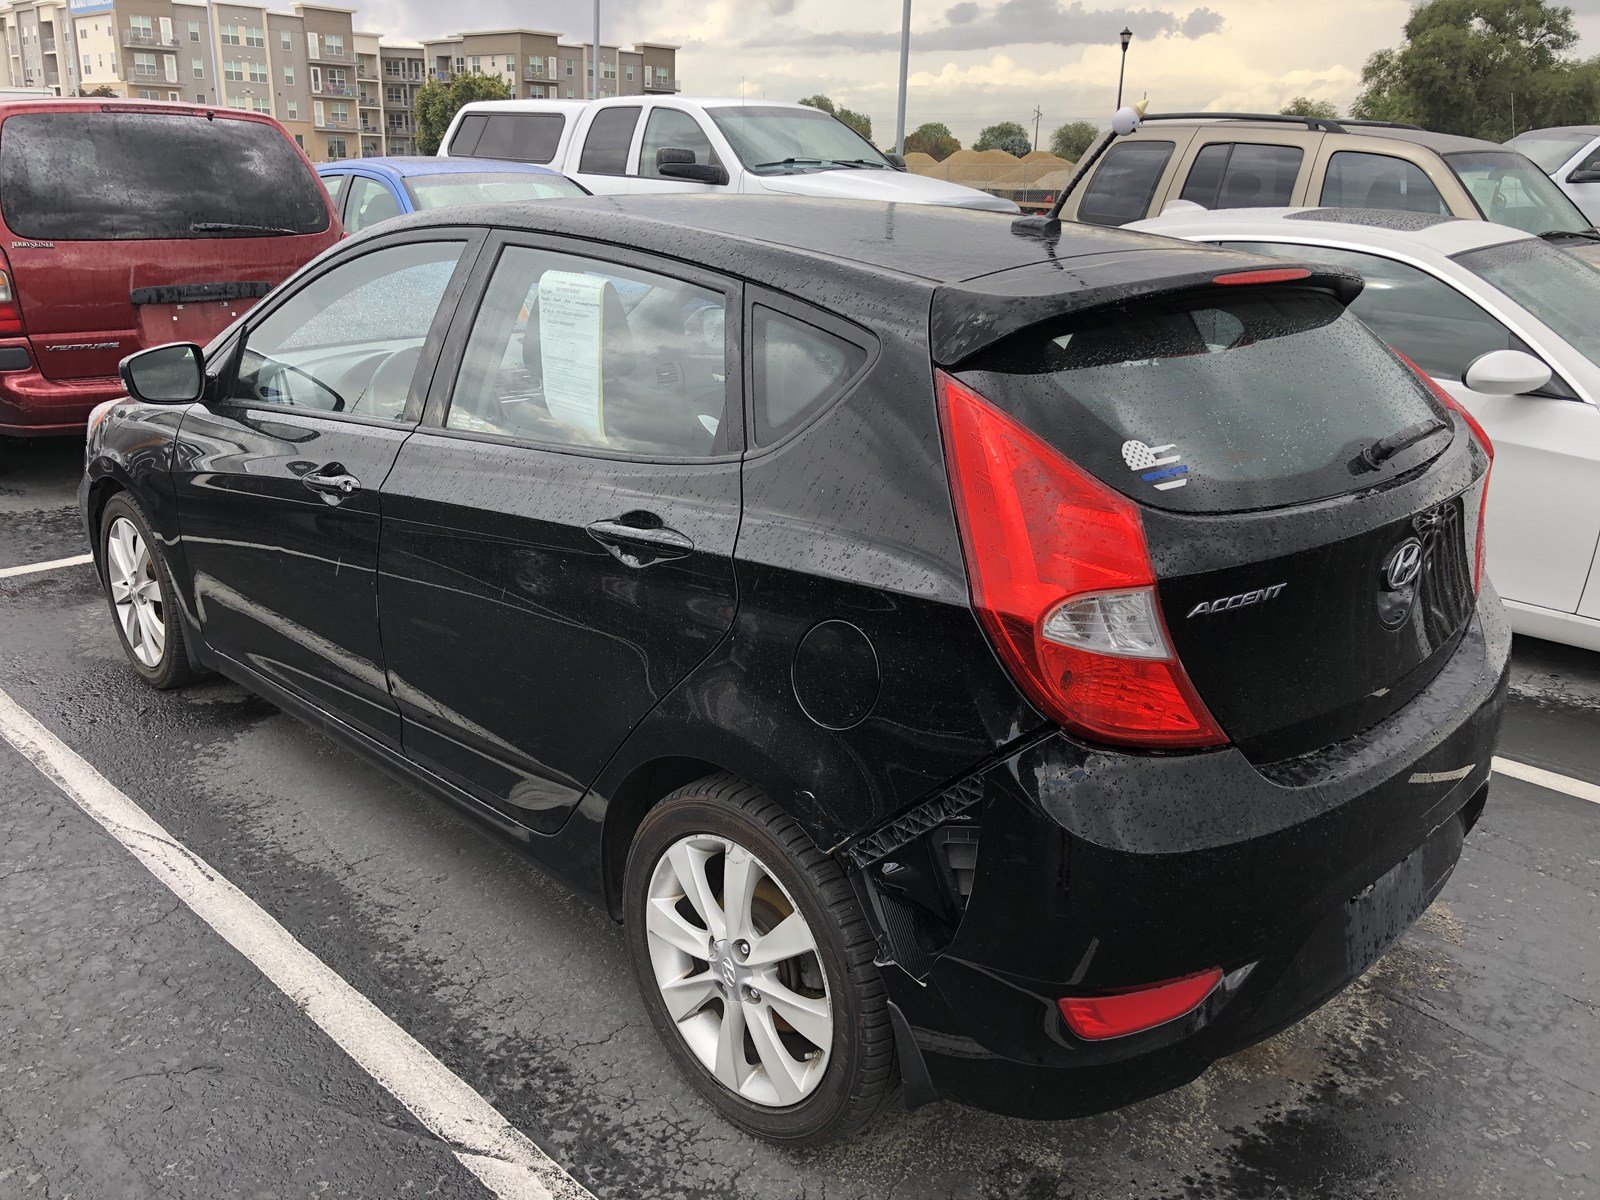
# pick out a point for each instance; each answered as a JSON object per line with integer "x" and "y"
{"x": 1062, "y": 582}
{"x": 1097, "y": 1017}
{"x": 1482, "y": 438}
{"x": 10, "y": 310}
{"x": 1269, "y": 275}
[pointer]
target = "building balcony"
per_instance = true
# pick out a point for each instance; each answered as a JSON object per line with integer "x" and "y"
{"x": 368, "y": 100}
{"x": 366, "y": 73}
{"x": 338, "y": 91}
{"x": 658, "y": 84}
{"x": 135, "y": 40}
{"x": 48, "y": 45}
{"x": 323, "y": 54}
{"x": 400, "y": 104}
{"x": 530, "y": 74}
{"x": 335, "y": 125}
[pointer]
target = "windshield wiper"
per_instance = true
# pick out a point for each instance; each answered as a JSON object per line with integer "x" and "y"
{"x": 791, "y": 162}
{"x": 858, "y": 162}
{"x": 1381, "y": 451}
{"x": 234, "y": 227}
{"x": 1584, "y": 235}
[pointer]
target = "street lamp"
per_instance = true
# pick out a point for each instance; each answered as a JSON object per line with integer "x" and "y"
{"x": 1127, "y": 36}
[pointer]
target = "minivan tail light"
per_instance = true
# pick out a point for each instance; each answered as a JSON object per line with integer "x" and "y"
{"x": 1063, "y": 585}
{"x": 10, "y": 310}
{"x": 1482, "y": 438}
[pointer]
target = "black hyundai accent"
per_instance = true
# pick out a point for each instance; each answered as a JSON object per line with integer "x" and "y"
{"x": 1024, "y": 668}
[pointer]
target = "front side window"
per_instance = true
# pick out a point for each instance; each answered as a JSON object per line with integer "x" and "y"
{"x": 605, "y": 149}
{"x": 672, "y": 129}
{"x": 1125, "y": 183}
{"x": 369, "y": 203}
{"x": 1424, "y": 318}
{"x": 1357, "y": 180}
{"x": 349, "y": 341}
{"x": 1510, "y": 190}
{"x": 1243, "y": 175}
{"x": 573, "y": 352}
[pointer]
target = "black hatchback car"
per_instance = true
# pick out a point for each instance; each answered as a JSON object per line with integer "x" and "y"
{"x": 1024, "y": 668}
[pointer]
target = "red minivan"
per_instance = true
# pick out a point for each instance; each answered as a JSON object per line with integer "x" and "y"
{"x": 126, "y": 224}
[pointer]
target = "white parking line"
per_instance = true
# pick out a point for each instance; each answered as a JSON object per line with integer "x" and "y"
{"x": 483, "y": 1141}
{"x": 1538, "y": 776}
{"x": 76, "y": 560}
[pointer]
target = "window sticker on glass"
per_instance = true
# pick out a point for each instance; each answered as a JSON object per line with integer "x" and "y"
{"x": 1155, "y": 464}
{"x": 572, "y": 310}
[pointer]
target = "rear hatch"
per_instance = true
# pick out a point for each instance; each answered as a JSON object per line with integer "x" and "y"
{"x": 1312, "y": 577}
{"x": 128, "y": 226}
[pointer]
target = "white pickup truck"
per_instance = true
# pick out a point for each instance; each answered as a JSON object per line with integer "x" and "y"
{"x": 633, "y": 144}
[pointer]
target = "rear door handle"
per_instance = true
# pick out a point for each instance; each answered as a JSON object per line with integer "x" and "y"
{"x": 333, "y": 483}
{"x": 640, "y": 545}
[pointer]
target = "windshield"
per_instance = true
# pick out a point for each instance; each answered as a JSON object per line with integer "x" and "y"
{"x": 1510, "y": 190}
{"x": 1214, "y": 402}
{"x": 1549, "y": 148}
{"x": 508, "y": 187}
{"x": 766, "y": 138}
{"x": 1557, "y": 288}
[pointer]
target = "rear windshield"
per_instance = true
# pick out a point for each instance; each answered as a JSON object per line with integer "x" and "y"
{"x": 512, "y": 136}
{"x": 509, "y": 187}
{"x": 132, "y": 176}
{"x": 1213, "y": 403}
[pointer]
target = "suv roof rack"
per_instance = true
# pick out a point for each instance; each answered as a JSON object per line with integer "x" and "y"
{"x": 1317, "y": 124}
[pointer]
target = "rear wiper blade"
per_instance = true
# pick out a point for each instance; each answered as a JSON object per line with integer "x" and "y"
{"x": 1381, "y": 451}
{"x": 1583, "y": 235}
{"x": 234, "y": 227}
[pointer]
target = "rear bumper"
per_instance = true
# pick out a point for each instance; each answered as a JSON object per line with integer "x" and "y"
{"x": 1097, "y": 871}
{"x": 34, "y": 406}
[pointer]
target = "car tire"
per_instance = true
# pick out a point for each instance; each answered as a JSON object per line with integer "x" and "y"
{"x": 810, "y": 1094}
{"x": 139, "y": 589}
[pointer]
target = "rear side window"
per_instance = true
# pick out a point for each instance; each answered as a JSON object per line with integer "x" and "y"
{"x": 1123, "y": 187}
{"x": 1243, "y": 175}
{"x": 605, "y": 149}
{"x": 1356, "y": 180}
{"x": 799, "y": 368}
{"x": 1210, "y": 402}
{"x": 130, "y": 176}
{"x": 518, "y": 137}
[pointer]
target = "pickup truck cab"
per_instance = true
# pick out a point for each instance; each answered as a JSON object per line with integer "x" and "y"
{"x": 628, "y": 145}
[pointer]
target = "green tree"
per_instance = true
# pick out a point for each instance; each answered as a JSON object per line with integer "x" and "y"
{"x": 1466, "y": 64}
{"x": 437, "y": 104}
{"x": 860, "y": 122}
{"x": 104, "y": 89}
{"x": 1007, "y": 136}
{"x": 932, "y": 139}
{"x": 1305, "y": 106}
{"x": 1072, "y": 139}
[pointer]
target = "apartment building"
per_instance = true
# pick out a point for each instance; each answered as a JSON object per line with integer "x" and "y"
{"x": 341, "y": 93}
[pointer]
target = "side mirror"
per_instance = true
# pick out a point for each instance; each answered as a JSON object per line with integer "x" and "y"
{"x": 1580, "y": 175}
{"x": 174, "y": 374}
{"x": 675, "y": 163}
{"x": 1507, "y": 373}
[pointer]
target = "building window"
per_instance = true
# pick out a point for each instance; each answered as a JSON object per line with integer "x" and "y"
{"x": 291, "y": 109}
{"x": 336, "y": 148}
{"x": 477, "y": 66}
{"x": 391, "y": 67}
{"x": 568, "y": 64}
{"x": 198, "y": 67}
{"x": 261, "y": 104}
{"x": 461, "y": 65}
{"x": 332, "y": 45}
{"x": 628, "y": 72}
{"x": 194, "y": 31}
{"x": 288, "y": 76}
{"x": 145, "y": 63}
{"x": 285, "y": 40}
{"x": 233, "y": 71}
{"x": 230, "y": 35}
{"x": 254, "y": 37}
{"x": 141, "y": 26}
{"x": 339, "y": 113}
{"x": 199, "y": 97}
{"x": 149, "y": 94}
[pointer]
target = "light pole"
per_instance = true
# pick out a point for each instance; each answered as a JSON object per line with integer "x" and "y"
{"x": 1127, "y": 36}
{"x": 594, "y": 83}
{"x": 905, "y": 66}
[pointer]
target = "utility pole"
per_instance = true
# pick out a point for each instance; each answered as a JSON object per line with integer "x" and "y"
{"x": 1037, "y": 115}
{"x": 1513, "y": 114}
{"x": 594, "y": 59}
{"x": 905, "y": 68}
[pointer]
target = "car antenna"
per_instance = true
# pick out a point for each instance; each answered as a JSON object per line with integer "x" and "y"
{"x": 1123, "y": 122}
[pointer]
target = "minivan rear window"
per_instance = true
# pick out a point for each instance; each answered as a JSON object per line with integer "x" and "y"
{"x": 1212, "y": 402}
{"x": 129, "y": 176}
{"x": 512, "y": 136}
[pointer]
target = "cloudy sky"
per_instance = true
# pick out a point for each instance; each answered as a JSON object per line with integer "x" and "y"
{"x": 974, "y": 62}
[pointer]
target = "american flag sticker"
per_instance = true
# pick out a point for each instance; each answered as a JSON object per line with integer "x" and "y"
{"x": 1156, "y": 465}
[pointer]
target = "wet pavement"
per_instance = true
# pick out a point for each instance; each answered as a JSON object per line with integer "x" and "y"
{"x": 140, "y": 1055}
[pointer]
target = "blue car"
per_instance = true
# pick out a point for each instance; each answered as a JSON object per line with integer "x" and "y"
{"x": 369, "y": 190}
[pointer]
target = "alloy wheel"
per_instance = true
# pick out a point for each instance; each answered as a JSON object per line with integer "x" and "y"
{"x": 738, "y": 970}
{"x": 136, "y": 592}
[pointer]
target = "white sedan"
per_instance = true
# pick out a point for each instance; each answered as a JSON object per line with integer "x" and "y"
{"x": 1509, "y": 325}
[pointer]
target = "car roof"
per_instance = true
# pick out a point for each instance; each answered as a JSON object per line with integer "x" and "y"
{"x": 1591, "y": 130}
{"x": 1442, "y": 143}
{"x": 411, "y": 166}
{"x": 564, "y": 105}
{"x": 1385, "y": 227}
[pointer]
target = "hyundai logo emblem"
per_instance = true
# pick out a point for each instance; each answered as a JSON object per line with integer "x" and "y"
{"x": 1404, "y": 565}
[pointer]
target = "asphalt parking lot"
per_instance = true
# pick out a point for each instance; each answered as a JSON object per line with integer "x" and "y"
{"x": 142, "y": 1056}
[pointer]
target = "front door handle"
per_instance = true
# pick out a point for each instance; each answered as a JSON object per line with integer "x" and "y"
{"x": 636, "y": 544}
{"x": 333, "y": 483}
